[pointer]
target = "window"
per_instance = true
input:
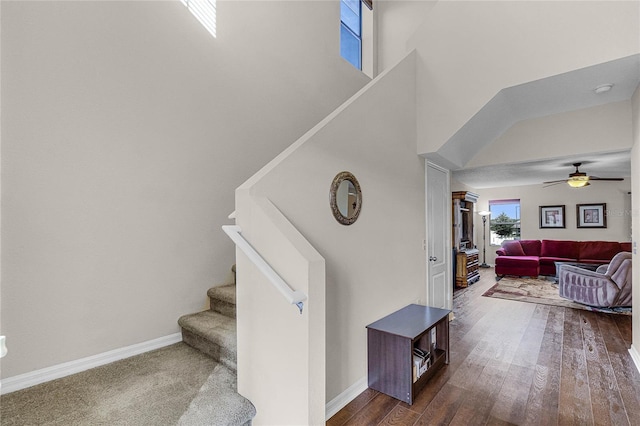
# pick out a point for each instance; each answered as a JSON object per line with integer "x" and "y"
{"x": 351, "y": 32}
{"x": 505, "y": 220}
{"x": 204, "y": 11}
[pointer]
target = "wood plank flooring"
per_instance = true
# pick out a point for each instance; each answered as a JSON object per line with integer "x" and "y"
{"x": 517, "y": 363}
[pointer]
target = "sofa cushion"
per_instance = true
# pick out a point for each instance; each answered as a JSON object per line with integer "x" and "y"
{"x": 531, "y": 247}
{"x": 598, "y": 250}
{"x": 548, "y": 264}
{"x": 550, "y": 260}
{"x": 513, "y": 260}
{"x": 517, "y": 265}
{"x": 512, "y": 248}
{"x": 560, "y": 249}
{"x": 625, "y": 246}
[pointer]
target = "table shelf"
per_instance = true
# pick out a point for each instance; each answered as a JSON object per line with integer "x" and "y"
{"x": 390, "y": 344}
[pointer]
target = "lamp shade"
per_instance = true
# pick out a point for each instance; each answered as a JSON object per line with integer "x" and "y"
{"x": 484, "y": 213}
{"x": 578, "y": 181}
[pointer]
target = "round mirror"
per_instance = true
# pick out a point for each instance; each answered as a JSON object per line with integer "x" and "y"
{"x": 345, "y": 198}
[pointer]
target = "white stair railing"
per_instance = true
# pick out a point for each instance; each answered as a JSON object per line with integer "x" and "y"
{"x": 295, "y": 297}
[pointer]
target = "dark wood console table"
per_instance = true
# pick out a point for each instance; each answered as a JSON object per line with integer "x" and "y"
{"x": 390, "y": 344}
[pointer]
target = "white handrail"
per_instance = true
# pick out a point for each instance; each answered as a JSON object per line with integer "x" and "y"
{"x": 295, "y": 297}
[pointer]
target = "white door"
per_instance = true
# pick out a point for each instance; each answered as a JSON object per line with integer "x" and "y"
{"x": 438, "y": 211}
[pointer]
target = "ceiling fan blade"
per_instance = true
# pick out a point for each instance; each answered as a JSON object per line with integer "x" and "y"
{"x": 554, "y": 181}
{"x": 610, "y": 179}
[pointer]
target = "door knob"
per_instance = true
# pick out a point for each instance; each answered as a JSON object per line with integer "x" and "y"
{"x": 433, "y": 258}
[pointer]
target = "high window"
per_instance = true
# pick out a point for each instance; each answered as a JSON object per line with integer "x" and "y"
{"x": 204, "y": 11}
{"x": 351, "y": 31}
{"x": 505, "y": 220}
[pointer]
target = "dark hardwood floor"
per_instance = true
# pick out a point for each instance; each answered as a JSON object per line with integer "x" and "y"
{"x": 519, "y": 363}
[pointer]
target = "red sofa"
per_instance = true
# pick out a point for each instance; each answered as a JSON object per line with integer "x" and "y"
{"x": 537, "y": 257}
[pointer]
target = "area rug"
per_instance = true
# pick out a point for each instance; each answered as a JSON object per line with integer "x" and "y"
{"x": 537, "y": 290}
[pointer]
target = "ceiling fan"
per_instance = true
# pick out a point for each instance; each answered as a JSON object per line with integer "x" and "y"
{"x": 579, "y": 179}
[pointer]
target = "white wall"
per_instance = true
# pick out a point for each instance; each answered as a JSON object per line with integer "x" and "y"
{"x": 376, "y": 265}
{"x": 468, "y": 51}
{"x": 281, "y": 351}
{"x": 635, "y": 184}
{"x": 614, "y": 194}
{"x": 126, "y": 128}
{"x": 398, "y": 20}
{"x": 604, "y": 128}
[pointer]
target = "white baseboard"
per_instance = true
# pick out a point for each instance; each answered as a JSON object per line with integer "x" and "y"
{"x": 340, "y": 401}
{"x": 635, "y": 356}
{"x": 22, "y": 381}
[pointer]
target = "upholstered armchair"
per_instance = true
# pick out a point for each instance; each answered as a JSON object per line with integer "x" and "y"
{"x": 608, "y": 286}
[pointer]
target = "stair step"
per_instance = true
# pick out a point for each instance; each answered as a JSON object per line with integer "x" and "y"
{"x": 218, "y": 402}
{"x": 212, "y": 333}
{"x": 223, "y": 299}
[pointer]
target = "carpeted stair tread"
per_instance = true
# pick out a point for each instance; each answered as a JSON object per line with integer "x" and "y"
{"x": 226, "y": 293}
{"x": 222, "y": 299}
{"x": 218, "y": 403}
{"x": 212, "y": 326}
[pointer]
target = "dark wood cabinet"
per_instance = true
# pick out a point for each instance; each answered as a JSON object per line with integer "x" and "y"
{"x": 467, "y": 267}
{"x": 462, "y": 219}
{"x": 390, "y": 346}
{"x": 465, "y": 253}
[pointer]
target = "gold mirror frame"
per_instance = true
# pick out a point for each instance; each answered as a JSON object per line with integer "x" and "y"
{"x": 333, "y": 202}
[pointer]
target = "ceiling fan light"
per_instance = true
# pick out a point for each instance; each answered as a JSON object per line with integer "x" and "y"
{"x": 578, "y": 181}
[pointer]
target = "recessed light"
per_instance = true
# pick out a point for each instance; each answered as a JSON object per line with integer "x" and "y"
{"x": 603, "y": 88}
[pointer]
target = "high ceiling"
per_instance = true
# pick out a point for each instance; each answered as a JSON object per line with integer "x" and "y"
{"x": 565, "y": 92}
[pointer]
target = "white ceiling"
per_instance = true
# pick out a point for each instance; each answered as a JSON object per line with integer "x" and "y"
{"x": 561, "y": 93}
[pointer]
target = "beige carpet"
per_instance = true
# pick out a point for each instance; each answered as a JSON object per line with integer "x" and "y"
{"x": 153, "y": 389}
{"x": 537, "y": 290}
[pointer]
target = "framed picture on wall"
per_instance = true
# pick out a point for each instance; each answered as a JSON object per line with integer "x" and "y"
{"x": 552, "y": 217}
{"x": 591, "y": 215}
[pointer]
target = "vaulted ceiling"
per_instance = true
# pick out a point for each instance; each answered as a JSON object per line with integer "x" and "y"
{"x": 553, "y": 95}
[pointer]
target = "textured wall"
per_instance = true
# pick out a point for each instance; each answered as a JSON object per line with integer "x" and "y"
{"x": 125, "y": 130}
{"x": 376, "y": 265}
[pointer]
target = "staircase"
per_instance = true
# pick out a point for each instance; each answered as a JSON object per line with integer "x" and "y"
{"x": 213, "y": 332}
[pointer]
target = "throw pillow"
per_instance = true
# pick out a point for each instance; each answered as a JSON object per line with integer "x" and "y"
{"x": 513, "y": 248}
